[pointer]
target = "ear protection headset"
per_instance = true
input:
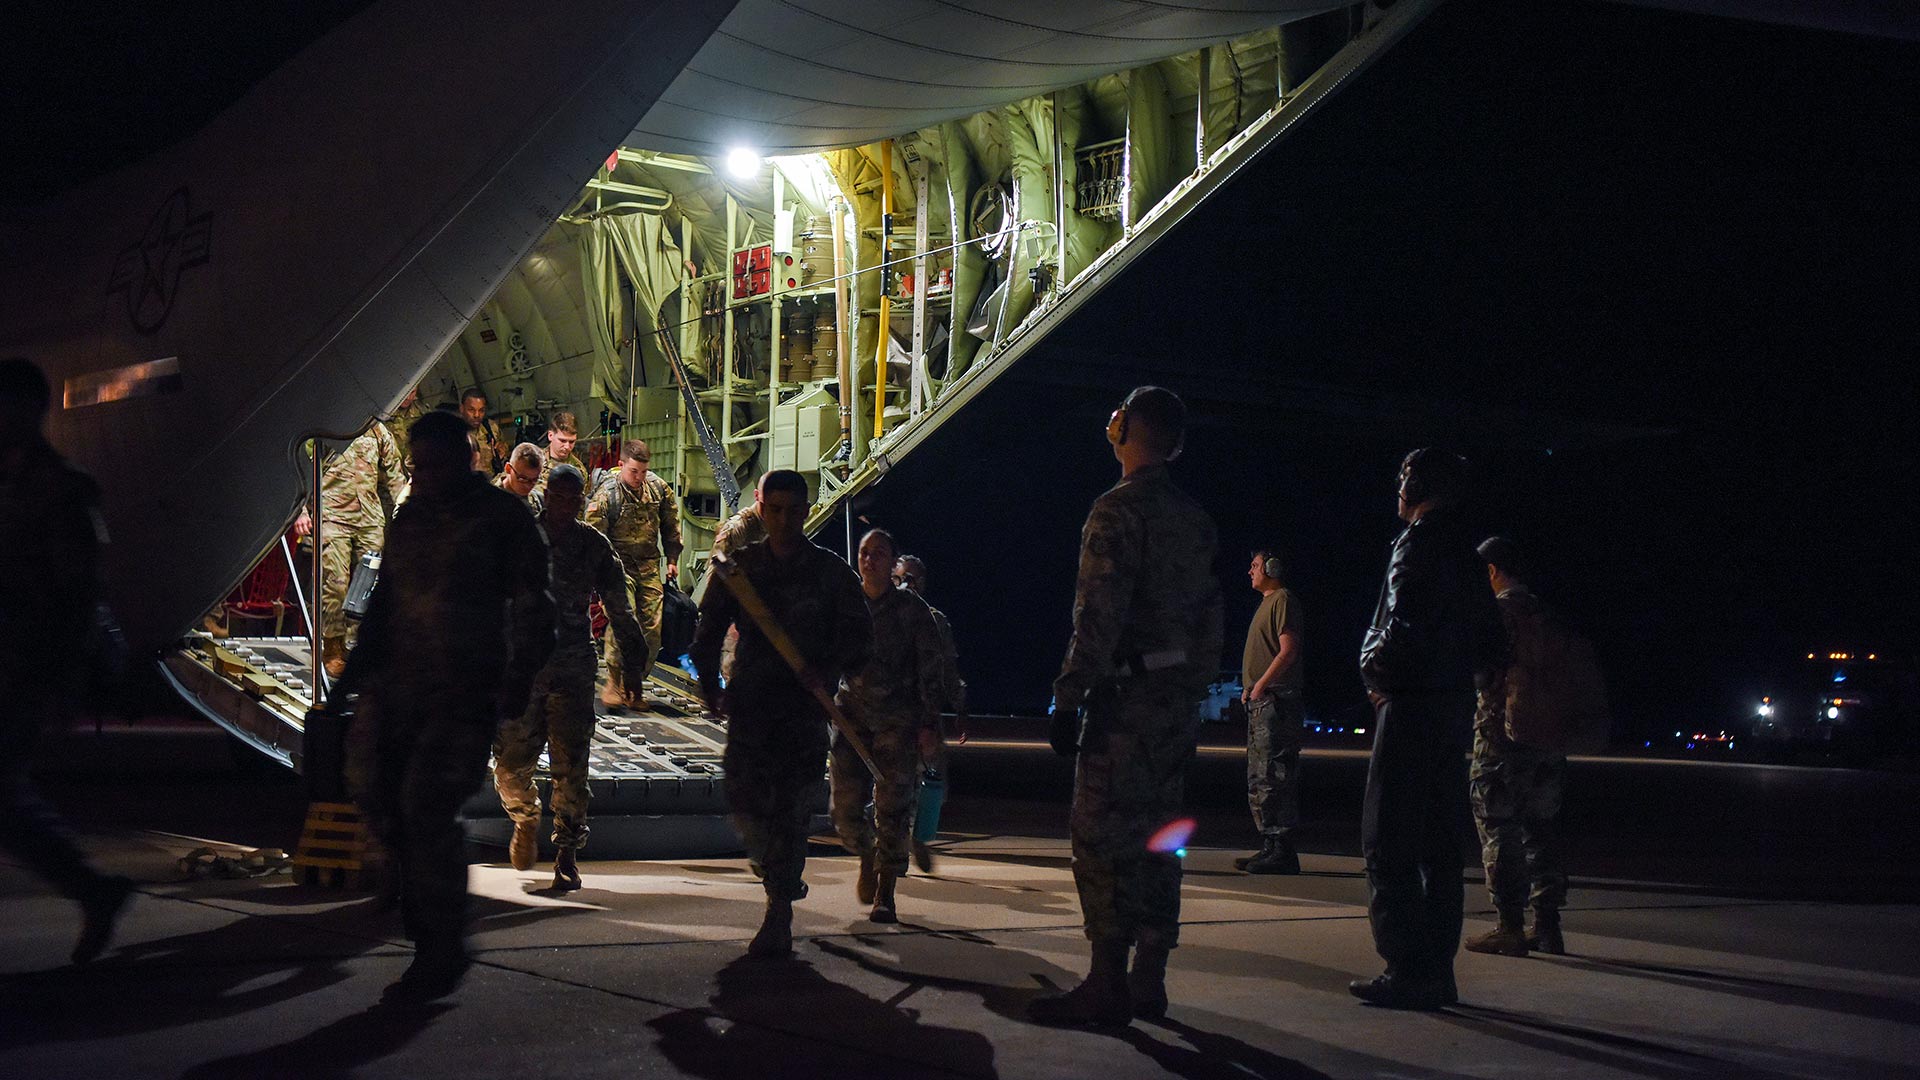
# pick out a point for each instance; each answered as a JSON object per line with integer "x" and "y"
{"x": 1271, "y": 567}
{"x": 1120, "y": 424}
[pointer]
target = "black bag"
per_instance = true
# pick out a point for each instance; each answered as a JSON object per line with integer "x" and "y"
{"x": 678, "y": 617}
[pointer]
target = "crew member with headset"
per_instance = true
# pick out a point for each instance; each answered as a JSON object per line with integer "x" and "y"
{"x": 1146, "y": 641}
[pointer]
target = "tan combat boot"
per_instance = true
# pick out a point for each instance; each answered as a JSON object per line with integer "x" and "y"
{"x": 1507, "y": 939}
{"x": 1147, "y": 982}
{"x": 883, "y": 908}
{"x": 524, "y": 849}
{"x": 868, "y": 883}
{"x": 333, "y": 656}
{"x": 1101, "y": 1000}
{"x": 566, "y": 874}
{"x": 1544, "y": 935}
{"x": 775, "y": 938}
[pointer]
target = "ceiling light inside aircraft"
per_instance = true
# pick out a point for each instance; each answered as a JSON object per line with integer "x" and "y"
{"x": 743, "y": 163}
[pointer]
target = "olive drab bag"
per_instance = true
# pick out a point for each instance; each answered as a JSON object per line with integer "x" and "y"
{"x": 1556, "y": 692}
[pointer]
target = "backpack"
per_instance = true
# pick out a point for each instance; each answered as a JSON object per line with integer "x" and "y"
{"x": 1556, "y": 692}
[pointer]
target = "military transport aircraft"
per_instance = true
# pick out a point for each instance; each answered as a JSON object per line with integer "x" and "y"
{"x": 772, "y": 233}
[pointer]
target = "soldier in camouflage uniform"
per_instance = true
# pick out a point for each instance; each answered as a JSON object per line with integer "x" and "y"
{"x": 563, "y": 434}
{"x": 736, "y": 532}
{"x": 640, "y": 513}
{"x": 524, "y": 476}
{"x": 51, "y": 533}
{"x": 437, "y": 671}
{"x": 894, "y": 702}
{"x": 910, "y": 572}
{"x": 359, "y": 488}
{"x": 1516, "y": 791}
{"x": 1146, "y": 642}
{"x": 776, "y": 728}
{"x": 560, "y": 717}
{"x": 411, "y": 409}
{"x": 486, "y": 437}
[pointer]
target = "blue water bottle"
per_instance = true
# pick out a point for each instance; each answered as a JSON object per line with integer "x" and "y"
{"x": 933, "y": 794}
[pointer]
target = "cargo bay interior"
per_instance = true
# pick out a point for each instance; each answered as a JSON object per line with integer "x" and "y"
{"x": 821, "y": 311}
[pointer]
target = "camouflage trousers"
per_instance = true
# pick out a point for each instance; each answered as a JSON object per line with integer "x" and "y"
{"x": 885, "y": 830}
{"x": 340, "y": 551}
{"x": 1129, "y": 782}
{"x": 1516, "y": 794}
{"x": 1273, "y": 763}
{"x": 416, "y": 751}
{"x": 644, "y": 596}
{"x": 560, "y": 720}
{"x": 775, "y": 762}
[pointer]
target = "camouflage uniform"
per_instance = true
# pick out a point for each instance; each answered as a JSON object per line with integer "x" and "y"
{"x": 51, "y": 532}
{"x": 560, "y": 716}
{"x": 643, "y": 525}
{"x": 437, "y": 667}
{"x": 402, "y": 427}
{"x": 1146, "y": 597}
{"x": 359, "y": 489}
{"x": 547, "y": 462}
{"x": 735, "y": 533}
{"x": 535, "y": 502}
{"x": 776, "y": 730}
{"x": 1516, "y": 791}
{"x": 493, "y": 451}
{"x": 890, "y": 700}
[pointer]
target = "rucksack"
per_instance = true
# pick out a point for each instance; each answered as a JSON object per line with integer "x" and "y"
{"x": 1556, "y": 692}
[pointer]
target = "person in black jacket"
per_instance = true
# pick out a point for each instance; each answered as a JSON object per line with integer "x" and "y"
{"x": 1435, "y": 631}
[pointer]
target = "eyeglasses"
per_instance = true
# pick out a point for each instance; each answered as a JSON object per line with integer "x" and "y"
{"x": 524, "y": 478}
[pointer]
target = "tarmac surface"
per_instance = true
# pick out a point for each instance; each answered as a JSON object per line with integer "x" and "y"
{"x": 641, "y": 973}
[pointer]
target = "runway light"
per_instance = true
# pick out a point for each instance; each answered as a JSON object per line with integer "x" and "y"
{"x": 742, "y": 163}
{"x": 1833, "y": 712}
{"x": 1172, "y": 837}
{"x": 1359, "y": 731}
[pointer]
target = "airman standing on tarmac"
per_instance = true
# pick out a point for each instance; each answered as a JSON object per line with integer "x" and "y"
{"x": 437, "y": 671}
{"x": 1146, "y": 642}
{"x": 560, "y": 716}
{"x": 776, "y": 726}
{"x": 640, "y": 513}
{"x": 894, "y": 703}
{"x": 359, "y": 488}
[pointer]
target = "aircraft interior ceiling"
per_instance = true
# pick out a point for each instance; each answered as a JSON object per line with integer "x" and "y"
{"x": 577, "y": 324}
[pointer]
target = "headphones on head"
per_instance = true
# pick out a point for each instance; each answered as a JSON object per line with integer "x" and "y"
{"x": 1119, "y": 424}
{"x": 1271, "y": 567}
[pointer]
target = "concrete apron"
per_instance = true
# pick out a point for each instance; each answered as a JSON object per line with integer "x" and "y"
{"x": 641, "y": 973}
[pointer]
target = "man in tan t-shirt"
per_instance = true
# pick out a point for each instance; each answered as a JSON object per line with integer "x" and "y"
{"x": 1271, "y": 674}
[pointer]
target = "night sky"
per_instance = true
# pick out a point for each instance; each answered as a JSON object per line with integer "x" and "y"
{"x": 1654, "y": 273}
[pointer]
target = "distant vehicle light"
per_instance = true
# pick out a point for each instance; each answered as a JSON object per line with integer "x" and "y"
{"x": 1765, "y": 709}
{"x": 1833, "y": 712}
{"x": 743, "y": 163}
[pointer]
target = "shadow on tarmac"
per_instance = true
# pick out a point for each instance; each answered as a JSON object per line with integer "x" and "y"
{"x": 337, "y": 1050}
{"x": 1647, "y": 1057}
{"x": 251, "y": 963}
{"x": 783, "y": 1018}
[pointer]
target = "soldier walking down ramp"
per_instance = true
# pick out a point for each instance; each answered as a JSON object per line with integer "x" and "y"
{"x": 1435, "y": 631}
{"x": 50, "y": 534}
{"x": 437, "y": 670}
{"x": 360, "y": 486}
{"x": 639, "y": 512}
{"x": 894, "y": 703}
{"x": 560, "y": 716}
{"x": 1146, "y": 641}
{"x": 776, "y": 727}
